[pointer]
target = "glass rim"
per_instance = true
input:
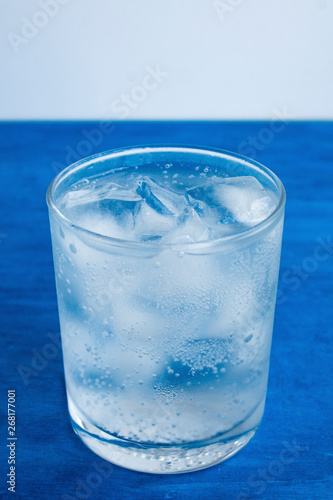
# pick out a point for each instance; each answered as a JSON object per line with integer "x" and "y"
{"x": 247, "y": 234}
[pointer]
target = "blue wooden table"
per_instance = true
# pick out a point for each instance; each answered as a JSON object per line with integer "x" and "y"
{"x": 291, "y": 455}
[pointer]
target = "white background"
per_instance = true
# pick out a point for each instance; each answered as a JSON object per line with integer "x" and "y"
{"x": 233, "y": 59}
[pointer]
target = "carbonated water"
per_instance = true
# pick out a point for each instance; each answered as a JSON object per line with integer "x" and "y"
{"x": 165, "y": 341}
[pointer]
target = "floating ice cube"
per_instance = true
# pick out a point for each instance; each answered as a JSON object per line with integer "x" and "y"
{"x": 205, "y": 201}
{"x": 163, "y": 201}
{"x": 190, "y": 228}
{"x": 232, "y": 201}
{"x": 107, "y": 209}
{"x": 107, "y": 225}
{"x": 117, "y": 192}
{"x": 109, "y": 217}
{"x": 150, "y": 224}
{"x": 246, "y": 199}
{"x": 261, "y": 209}
{"x": 86, "y": 194}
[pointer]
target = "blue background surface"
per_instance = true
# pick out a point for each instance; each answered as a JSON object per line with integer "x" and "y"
{"x": 51, "y": 460}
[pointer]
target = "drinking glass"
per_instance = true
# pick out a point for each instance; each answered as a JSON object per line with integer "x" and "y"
{"x": 166, "y": 340}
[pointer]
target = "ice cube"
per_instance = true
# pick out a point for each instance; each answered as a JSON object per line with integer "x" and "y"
{"x": 190, "y": 228}
{"x": 117, "y": 192}
{"x": 237, "y": 201}
{"x": 246, "y": 199}
{"x": 261, "y": 209}
{"x": 108, "y": 225}
{"x": 106, "y": 208}
{"x": 114, "y": 218}
{"x": 206, "y": 203}
{"x": 87, "y": 193}
{"x": 163, "y": 201}
{"x": 150, "y": 224}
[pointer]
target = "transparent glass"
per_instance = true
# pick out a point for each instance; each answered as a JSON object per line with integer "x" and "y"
{"x": 166, "y": 346}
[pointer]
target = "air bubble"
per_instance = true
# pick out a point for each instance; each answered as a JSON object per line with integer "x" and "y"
{"x": 72, "y": 248}
{"x": 62, "y": 234}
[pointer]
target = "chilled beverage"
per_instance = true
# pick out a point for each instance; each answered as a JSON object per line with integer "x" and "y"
{"x": 166, "y": 271}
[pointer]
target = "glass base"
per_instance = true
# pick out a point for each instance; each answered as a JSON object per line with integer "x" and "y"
{"x": 159, "y": 459}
